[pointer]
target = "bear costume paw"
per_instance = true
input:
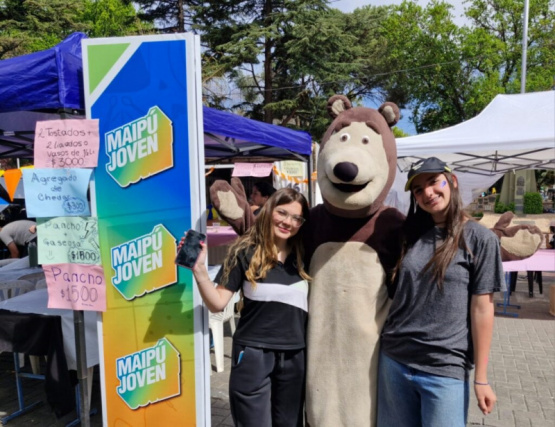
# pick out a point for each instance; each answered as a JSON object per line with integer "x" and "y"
{"x": 517, "y": 242}
{"x": 230, "y": 201}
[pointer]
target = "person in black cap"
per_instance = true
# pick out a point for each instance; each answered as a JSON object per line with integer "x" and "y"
{"x": 441, "y": 318}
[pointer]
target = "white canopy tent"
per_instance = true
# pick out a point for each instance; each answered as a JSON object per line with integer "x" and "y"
{"x": 513, "y": 132}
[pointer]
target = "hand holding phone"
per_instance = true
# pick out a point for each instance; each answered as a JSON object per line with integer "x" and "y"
{"x": 190, "y": 250}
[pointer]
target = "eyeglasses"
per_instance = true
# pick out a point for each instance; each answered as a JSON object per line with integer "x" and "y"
{"x": 282, "y": 215}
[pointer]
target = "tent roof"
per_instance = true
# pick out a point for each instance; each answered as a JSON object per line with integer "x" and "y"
{"x": 17, "y": 132}
{"x": 51, "y": 80}
{"x": 228, "y": 135}
{"x": 513, "y": 132}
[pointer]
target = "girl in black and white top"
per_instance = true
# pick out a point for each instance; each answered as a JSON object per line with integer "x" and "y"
{"x": 266, "y": 385}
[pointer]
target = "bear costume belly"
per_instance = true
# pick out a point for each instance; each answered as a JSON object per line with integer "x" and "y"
{"x": 349, "y": 260}
{"x": 343, "y": 333}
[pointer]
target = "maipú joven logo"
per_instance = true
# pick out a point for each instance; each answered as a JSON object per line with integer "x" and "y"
{"x": 150, "y": 375}
{"x": 139, "y": 149}
{"x": 144, "y": 264}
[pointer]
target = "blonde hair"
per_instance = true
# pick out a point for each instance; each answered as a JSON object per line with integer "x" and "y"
{"x": 260, "y": 240}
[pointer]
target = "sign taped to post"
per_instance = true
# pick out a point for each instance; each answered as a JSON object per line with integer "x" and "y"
{"x": 68, "y": 239}
{"x": 76, "y": 286}
{"x": 66, "y": 144}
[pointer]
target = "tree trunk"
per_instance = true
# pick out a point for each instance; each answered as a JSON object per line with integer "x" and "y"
{"x": 268, "y": 116}
{"x": 180, "y": 16}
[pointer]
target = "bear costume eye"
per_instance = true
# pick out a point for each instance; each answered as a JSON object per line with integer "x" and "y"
{"x": 344, "y": 137}
{"x": 365, "y": 140}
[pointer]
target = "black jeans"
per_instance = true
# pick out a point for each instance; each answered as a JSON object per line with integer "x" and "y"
{"x": 266, "y": 387}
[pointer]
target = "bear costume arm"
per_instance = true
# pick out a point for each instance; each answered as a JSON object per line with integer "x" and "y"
{"x": 230, "y": 201}
{"x": 517, "y": 242}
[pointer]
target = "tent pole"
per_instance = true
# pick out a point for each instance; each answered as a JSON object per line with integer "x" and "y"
{"x": 309, "y": 183}
{"x": 524, "y": 48}
{"x": 82, "y": 374}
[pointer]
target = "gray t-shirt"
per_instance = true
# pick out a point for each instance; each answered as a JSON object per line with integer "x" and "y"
{"x": 429, "y": 329}
{"x": 17, "y": 232}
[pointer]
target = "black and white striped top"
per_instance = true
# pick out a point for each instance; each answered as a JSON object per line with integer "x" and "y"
{"x": 275, "y": 313}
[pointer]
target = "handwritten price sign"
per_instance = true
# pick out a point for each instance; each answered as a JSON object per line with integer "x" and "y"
{"x": 66, "y": 144}
{"x": 68, "y": 239}
{"x": 76, "y": 286}
{"x": 56, "y": 192}
{"x": 252, "y": 169}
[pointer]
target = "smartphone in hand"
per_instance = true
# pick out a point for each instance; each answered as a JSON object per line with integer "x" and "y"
{"x": 189, "y": 252}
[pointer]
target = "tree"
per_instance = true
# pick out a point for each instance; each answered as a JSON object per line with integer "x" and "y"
{"x": 168, "y": 16}
{"x": 255, "y": 38}
{"x": 285, "y": 68}
{"x": 31, "y": 25}
{"x": 430, "y": 75}
{"x": 447, "y": 74}
{"x": 496, "y": 42}
{"x": 279, "y": 60}
{"x": 110, "y": 18}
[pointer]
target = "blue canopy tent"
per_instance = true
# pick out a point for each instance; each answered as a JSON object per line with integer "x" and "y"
{"x": 47, "y": 80}
{"x": 48, "y": 85}
{"x": 228, "y": 135}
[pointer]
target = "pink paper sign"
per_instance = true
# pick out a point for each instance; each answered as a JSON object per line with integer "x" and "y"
{"x": 66, "y": 143}
{"x": 252, "y": 169}
{"x": 76, "y": 286}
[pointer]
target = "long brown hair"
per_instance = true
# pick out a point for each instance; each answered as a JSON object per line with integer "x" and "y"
{"x": 418, "y": 222}
{"x": 260, "y": 239}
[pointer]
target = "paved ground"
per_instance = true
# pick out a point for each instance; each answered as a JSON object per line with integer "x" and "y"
{"x": 522, "y": 369}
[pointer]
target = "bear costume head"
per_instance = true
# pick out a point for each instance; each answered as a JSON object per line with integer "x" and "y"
{"x": 358, "y": 158}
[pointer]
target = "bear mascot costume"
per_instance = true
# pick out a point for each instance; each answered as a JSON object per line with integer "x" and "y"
{"x": 352, "y": 245}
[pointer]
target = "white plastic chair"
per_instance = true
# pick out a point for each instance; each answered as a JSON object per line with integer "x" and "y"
{"x": 41, "y": 284}
{"x": 216, "y": 323}
{"x": 33, "y": 277}
{"x": 14, "y": 288}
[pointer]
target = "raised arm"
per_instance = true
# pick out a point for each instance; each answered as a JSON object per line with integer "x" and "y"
{"x": 215, "y": 297}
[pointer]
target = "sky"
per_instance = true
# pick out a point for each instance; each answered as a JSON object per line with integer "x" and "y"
{"x": 349, "y": 5}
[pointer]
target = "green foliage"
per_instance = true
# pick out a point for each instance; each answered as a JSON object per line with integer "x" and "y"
{"x": 447, "y": 74}
{"x": 533, "y": 203}
{"x": 30, "y": 25}
{"x": 501, "y": 207}
{"x": 111, "y": 18}
{"x": 399, "y": 133}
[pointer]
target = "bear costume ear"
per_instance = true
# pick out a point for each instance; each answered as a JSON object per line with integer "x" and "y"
{"x": 390, "y": 112}
{"x": 337, "y": 104}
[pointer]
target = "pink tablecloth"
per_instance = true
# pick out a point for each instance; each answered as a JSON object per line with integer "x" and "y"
{"x": 542, "y": 260}
{"x": 222, "y": 235}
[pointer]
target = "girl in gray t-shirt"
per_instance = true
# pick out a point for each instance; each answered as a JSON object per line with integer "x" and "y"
{"x": 441, "y": 319}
